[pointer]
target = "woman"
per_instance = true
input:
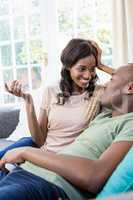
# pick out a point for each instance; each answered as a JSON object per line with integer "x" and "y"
{"x": 67, "y": 108}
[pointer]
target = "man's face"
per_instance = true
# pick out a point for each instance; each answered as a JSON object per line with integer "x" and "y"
{"x": 112, "y": 97}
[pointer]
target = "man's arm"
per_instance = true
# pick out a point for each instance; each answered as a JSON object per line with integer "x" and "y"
{"x": 83, "y": 173}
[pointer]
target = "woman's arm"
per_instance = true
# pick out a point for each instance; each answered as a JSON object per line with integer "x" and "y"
{"x": 102, "y": 67}
{"x": 37, "y": 128}
{"x": 106, "y": 69}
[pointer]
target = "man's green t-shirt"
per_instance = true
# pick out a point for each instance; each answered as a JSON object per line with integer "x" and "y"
{"x": 102, "y": 131}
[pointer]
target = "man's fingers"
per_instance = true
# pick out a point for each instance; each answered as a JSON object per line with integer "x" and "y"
{"x": 2, "y": 163}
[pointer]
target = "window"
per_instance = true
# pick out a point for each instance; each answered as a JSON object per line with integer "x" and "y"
{"x": 86, "y": 19}
{"x": 35, "y": 31}
{"x": 21, "y": 46}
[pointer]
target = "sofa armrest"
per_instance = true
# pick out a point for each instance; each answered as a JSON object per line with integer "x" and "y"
{"x": 9, "y": 117}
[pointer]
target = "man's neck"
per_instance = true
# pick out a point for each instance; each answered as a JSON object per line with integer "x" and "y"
{"x": 116, "y": 113}
{"x": 120, "y": 112}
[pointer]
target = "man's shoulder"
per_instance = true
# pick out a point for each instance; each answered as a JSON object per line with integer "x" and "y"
{"x": 127, "y": 119}
{"x": 124, "y": 128}
{"x": 104, "y": 114}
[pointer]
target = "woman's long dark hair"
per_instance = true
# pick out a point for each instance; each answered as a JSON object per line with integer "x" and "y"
{"x": 75, "y": 50}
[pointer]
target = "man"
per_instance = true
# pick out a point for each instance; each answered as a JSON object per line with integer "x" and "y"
{"x": 80, "y": 170}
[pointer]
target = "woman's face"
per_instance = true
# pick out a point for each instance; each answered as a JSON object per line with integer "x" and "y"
{"x": 82, "y": 72}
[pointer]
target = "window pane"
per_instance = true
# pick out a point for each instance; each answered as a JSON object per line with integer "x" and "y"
{"x": 6, "y": 55}
{"x": 103, "y": 13}
{"x": 34, "y": 25}
{"x": 22, "y": 75}
{"x": 18, "y": 6}
{"x": 4, "y": 7}
{"x": 35, "y": 4}
{"x": 9, "y": 98}
{"x": 85, "y": 22}
{"x": 4, "y": 30}
{"x": 36, "y": 77}
{"x": 21, "y": 51}
{"x": 36, "y": 52}
{"x": 8, "y": 75}
{"x": 19, "y": 28}
{"x": 65, "y": 16}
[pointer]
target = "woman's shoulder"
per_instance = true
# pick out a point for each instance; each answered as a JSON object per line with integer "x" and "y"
{"x": 51, "y": 89}
{"x": 99, "y": 87}
{"x": 98, "y": 90}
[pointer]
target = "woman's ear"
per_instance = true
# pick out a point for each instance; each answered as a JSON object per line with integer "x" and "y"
{"x": 128, "y": 89}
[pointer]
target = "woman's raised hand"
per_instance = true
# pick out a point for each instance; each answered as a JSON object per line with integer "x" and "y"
{"x": 15, "y": 88}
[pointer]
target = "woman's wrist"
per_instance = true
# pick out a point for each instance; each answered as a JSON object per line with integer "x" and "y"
{"x": 27, "y": 98}
{"x": 106, "y": 69}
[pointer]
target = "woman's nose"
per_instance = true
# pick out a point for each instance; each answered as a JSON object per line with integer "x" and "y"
{"x": 87, "y": 75}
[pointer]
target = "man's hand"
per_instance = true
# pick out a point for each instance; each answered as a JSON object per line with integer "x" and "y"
{"x": 13, "y": 156}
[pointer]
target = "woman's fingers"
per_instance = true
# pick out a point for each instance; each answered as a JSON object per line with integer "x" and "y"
{"x": 99, "y": 50}
{"x": 9, "y": 86}
{"x": 102, "y": 67}
{"x": 15, "y": 88}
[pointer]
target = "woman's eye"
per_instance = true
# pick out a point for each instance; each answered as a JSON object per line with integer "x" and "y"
{"x": 81, "y": 69}
{"x": 92, "y": 70}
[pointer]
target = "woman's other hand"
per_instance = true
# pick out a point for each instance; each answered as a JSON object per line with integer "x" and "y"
{"x": 106, "y": 69}
{"x": 99, "y": 50}
{"x": 100, "y": 66}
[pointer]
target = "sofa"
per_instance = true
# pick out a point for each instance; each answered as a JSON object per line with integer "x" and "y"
{"x": 9, "y": 118}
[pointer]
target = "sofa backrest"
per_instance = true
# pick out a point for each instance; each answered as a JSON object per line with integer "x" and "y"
{"x": 9, "y": 117}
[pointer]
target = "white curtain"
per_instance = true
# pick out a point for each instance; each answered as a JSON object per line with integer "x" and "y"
{"x": 122, "y": 32}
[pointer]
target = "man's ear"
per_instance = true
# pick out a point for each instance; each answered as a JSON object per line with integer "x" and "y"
{"x": 128, "y": 89}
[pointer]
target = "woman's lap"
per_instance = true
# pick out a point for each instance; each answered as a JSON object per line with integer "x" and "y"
{"x": 22, "y": 185}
